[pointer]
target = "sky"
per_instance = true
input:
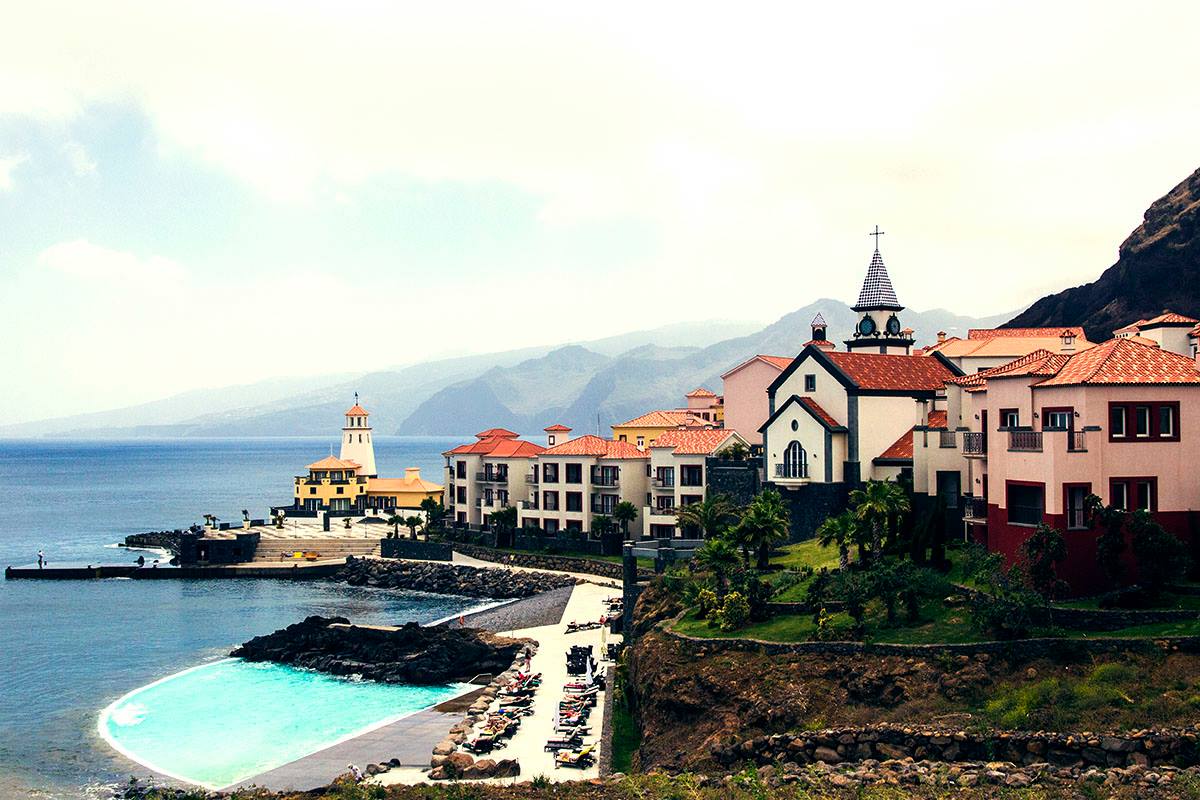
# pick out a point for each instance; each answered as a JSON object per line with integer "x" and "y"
{"x": 202, "y": 194}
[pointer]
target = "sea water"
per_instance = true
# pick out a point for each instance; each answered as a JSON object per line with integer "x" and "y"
{"x": 69, "y": 649}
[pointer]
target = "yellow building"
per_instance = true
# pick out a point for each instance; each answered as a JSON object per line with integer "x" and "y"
{"x": 331, "y": 485}
{"x": 407, "y": 492}
{"x": 345, "y": 484}
{"x": 643, "y": 431}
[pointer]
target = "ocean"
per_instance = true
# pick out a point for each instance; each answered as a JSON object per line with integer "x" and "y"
{"x": 71, "y": 648}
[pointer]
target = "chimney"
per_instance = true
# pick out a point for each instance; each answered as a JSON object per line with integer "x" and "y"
{"x": 412, "y": 474}
{"x": 941, "y": 337}
{"x": 1067, "y": 338}
{"x": 557, "y": 434}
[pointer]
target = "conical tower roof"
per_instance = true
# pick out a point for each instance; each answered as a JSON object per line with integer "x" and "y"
{"x": 877, "y": 291}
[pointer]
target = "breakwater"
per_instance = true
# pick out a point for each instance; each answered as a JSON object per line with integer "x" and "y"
{"x": 453, "y": 579}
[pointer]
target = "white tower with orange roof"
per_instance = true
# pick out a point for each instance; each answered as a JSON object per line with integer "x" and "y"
{"x": 356, "y": 440}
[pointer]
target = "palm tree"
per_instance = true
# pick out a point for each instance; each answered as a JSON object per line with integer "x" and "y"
{"x": 624, "y": 513}
{"x": 719, "y": 557}
{"x": 735, "y": 452}
{"x": 395, "y": 520}
{"x": 434, "y": 511}
{"x": 764, "y": 523}
{"x": 412, "y": 523}
{"x": 505, "y": 521}
{"x": 840, "y": 531}
{"x": 877, "y": 504}
{"x": 712, "y": 516}
{"x": 602, "y": 524}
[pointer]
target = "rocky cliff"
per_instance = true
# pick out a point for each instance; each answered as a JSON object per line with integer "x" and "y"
{"x": 1158, "y": 267}
{"x": 411, "y": 654}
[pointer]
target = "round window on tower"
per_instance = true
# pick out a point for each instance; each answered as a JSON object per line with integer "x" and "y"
{"x": 893, "y": 325}
{"x": 795, "y": 425}
{"x": 866, "y": 326}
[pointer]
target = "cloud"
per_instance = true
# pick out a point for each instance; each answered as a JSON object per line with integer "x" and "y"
{"x": 8, "y": 165}
{"x": 92, "y": 262}
{"x": 77, "y": 156}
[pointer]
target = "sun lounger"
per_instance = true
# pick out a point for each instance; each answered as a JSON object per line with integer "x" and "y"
{"x": 579, "y": 759}
{"x": 568, "y": 742}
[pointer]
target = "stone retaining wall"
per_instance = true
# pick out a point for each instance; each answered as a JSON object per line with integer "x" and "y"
{"x": 606, "y": 725}
{"x": 415, "y": 549}
{"x": 1099, "y": 619}
{"x": 1020, "y": 649}
{"x": 588, "y": 566}
{"x": 1176, "y": 747}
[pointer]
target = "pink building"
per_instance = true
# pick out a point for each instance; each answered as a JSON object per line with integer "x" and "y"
{"x": 1028, "y": 441}
{"x": 746, "y": 404}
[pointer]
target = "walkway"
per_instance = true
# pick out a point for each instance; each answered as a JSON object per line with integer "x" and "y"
{"x": 528, "y": 745}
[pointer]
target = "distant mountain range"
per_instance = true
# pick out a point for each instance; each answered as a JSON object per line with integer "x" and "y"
{"x": 1158, "y": 267}
{"x": 588, "y": 385}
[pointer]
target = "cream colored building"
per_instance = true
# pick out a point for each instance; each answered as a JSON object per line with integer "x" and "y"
{"x": 678, "y": 475}
{"x": 487, "y": 475}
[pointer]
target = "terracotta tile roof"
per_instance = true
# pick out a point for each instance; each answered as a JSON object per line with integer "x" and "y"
{"x": 778, "y": 362}
{"x": 496, "y": 433}
{"x": 591, "y": 445}
{"x": 329, "y": 462}
{"x": 899, "y": 373}
{"x": 700, "y": 391}
{"x": 357, "y": 411}
{"x": 401, "y": 485}
{"x": 1124, "y": 361}
{"x": 1014, "y": 333}
{"x": 937, "y": 419}
{"x": 1131, "y": 327}
{"x": 819, "y": 412}
{"x": 498, "y": 447}
{"x": 899, "y": 450}
{"x": 667, "y": 418}
{"x": 557, "y": 429}
{"x": 1039, "y": 362}
{"x": 693, "y": 442}
{"x": 1137, "y": 337}
{"x": 1168, "y": 318}
{"x": 1194, "y": 331}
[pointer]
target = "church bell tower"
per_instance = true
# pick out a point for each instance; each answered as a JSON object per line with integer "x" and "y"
{"x": 356, "y": 440}
{"x": 879, "y": 329}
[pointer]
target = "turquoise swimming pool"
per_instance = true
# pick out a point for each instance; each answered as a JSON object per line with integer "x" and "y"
{"x": 221, "y": 723}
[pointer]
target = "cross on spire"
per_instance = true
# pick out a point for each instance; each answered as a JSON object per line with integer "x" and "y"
{"x": 877, "y": 233}
{"x": 356, "y": 393}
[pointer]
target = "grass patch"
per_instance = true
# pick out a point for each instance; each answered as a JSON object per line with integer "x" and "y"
{"x": 806, "y": 554}
{"x": 626, "y": 739}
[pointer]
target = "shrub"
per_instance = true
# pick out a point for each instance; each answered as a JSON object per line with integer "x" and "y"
{"x": 706, "y": 603}
{"x": 734, "y": 613}
{"x": 1042, "y": 551}
{"x": 1161, "y": 558}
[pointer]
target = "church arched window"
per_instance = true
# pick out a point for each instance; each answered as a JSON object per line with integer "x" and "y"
{"x": 795, "y": 461}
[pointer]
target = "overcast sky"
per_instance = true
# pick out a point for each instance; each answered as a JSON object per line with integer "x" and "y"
{"x": 202, "y": 194}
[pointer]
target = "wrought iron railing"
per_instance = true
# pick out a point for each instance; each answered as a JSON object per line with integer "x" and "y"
{"x": 1025, "y": 441}
{"x": 792, "y": 471}
{"x": 948, "y": 439}
{"x": 1076, "y": 442}
{"x": 973, "y": 444}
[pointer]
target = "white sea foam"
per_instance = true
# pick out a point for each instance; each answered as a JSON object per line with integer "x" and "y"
{"x": 128, "y": 714}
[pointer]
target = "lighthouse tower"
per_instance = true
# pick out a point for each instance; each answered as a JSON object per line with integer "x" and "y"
{"x": 356, "y": 440}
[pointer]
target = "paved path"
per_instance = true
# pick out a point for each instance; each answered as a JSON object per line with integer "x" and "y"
{"x": 410, "y": 739}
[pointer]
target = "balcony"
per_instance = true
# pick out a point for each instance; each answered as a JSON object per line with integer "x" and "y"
{"x": 1025, "y": 441}
{"x": 499, "y": 476}
{"x": 667, "y": 484}
{"x": 605, "y": 479}
{"x": 947, "y": 439}
{"x": 531, "y": 477}
{"x": 1076, "y": 442}
{"x": 974, "y": 444}
{"x": 529, "y": 505}
{"x": 599, "y": 507}
{"x": 792, "y": 472}
{"x": 663, "y": 511}
{"x": 975, "y": 510}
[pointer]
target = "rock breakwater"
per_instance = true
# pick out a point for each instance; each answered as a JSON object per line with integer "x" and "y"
{"x": 496, "y": 584}
{"x": 410, "y": 654}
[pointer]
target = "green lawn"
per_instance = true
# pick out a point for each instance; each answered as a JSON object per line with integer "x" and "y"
{"x": 1184, "y": 602}
{"x": 806, "y": 554}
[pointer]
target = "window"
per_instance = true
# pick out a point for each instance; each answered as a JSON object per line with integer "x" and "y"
{"x": 622, "y": 438}
{"x": 691, "y": 475}
{"x": 1026, "y": 503}
{"x": 795, "y": 462}
{"x": 810, "y": 383}
{"x": 550, "y": 501}
{"x": 1141, "y": 419}
{"x": 641, "y": 441}
{"x": 1075, "y": 497}
{"x": 461, "y": 494}
{"x": 1057, "y": 419}
{"x": 460, "y": 469}
{"x": 574, "y": 501}
{"x": 1009, "y": 418}
{"x": 574, "y": 473}
{"x": 312, "y": 490}
{"x": 550, "y": 526}
{"x": 339, "y": 489}
{"x": 949, "y": 487}
{"x": 1134, "y": 494}
{"x": 1143, "y": 422}
{"x": 574, "y": 525}
{"x": 550, "y": 473}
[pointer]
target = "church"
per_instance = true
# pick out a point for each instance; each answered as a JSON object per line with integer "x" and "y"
{"x": 837, "y": 418}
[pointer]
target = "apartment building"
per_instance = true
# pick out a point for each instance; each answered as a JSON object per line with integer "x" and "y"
{"x": 581, "y": 478}
{"x": 1028, "y": 441}
{"x": 985, "y": 348}
{"x": 678, "y": 475}
{"x": 486, "y": 475}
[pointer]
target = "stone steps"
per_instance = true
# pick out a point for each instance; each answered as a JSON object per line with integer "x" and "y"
{"x": 271, "y": 549}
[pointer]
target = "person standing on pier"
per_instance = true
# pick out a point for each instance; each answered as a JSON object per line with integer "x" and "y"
{"x": 41, "y": 559}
